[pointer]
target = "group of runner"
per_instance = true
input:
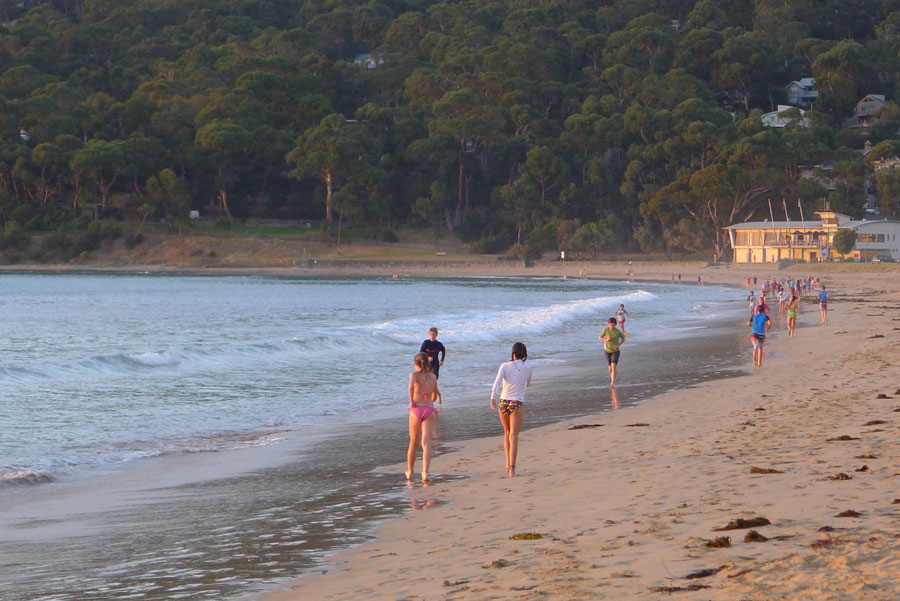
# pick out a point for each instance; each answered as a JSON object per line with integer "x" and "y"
{"x": 788, "y": 293}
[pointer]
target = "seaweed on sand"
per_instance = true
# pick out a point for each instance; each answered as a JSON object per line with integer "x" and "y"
{"x": 755, "y": 537}
{"x": 741, "y": 523}
{"x": 527, "y": 536}
{"x": 720, "y": 542}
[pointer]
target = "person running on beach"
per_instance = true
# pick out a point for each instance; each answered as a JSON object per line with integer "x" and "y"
{"x": 621, "y": 316}
{"x": 513, "y": 377}
{"x": 762, "y": 304}
{"x": 612, "y": 338}
{"x": 760, "y": 324}
{"x": 423, "y": 391}
{"x": 784, "y": 297}
{"x": 793, "y": 306}
{"x": 751, "y": 301}
{"x": 432, "y": 347}
{"x": 823, "y": 304}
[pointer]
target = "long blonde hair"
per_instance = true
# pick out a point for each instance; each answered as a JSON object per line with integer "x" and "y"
{"x": 421, "y": 363}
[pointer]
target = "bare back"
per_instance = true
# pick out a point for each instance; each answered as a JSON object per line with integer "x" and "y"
{"x": 422, "y": 388}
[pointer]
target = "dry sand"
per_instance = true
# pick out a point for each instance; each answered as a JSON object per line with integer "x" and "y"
{"x": 624, "y": 509}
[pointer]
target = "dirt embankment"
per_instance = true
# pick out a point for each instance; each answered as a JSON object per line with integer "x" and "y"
{"x": 234, "y": 253}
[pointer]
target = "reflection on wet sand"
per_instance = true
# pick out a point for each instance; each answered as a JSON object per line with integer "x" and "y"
{"x": 418, "y": 504}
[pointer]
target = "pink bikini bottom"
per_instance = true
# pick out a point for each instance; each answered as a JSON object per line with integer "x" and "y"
{"x": 422, "y": 412}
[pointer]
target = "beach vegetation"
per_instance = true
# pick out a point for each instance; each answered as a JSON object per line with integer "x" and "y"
{"x": 619, "y": 127}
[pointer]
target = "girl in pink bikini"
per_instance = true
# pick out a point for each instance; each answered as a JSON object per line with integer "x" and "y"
{"x": 423, "y": 391}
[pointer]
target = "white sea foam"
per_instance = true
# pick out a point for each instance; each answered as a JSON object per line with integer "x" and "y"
{"x": 24, "y": 477}
{"x": 497, "y": 324}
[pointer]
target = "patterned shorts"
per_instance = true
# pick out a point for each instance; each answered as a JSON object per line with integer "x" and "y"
{"x": 509, "y": 407}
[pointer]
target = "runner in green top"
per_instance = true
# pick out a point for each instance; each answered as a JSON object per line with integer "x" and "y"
{"x": 612, "y": 338}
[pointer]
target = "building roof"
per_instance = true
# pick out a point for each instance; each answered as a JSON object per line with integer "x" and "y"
{"x": 795, "y": 225}
{"x": 776, "y": 225}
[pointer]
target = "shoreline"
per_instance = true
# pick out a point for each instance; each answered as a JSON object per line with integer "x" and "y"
{"x": 625, "y": 510}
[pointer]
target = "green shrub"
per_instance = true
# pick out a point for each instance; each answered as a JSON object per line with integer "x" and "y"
{"x": 87, "y": 241}
{"x": 488, "y": 246}
{"x": 132, "y": 240}
{"x": 56, "y": 246}
{"x": 14, "y": 238}
{"x": 223, "y": 223}
{"x": 22, "y": 214}
{"x": 111, "y": 231}
{"x": 388, "y": 235}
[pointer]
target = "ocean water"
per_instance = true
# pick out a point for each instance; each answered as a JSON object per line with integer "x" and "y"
{"x": 203, "y": 437}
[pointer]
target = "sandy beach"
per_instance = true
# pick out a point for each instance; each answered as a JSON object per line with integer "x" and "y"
{"x": 637, "y": 503}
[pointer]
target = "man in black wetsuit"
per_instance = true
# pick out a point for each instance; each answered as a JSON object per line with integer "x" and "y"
{"x": 433, "y": 348}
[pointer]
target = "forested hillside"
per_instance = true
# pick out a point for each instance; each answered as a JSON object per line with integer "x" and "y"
{"x": 532, "y": 125}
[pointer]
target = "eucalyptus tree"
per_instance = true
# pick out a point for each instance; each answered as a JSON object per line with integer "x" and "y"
{"x": 328, "y": 152}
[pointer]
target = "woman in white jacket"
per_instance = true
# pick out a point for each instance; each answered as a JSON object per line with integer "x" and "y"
{"x": 509, "y": 386}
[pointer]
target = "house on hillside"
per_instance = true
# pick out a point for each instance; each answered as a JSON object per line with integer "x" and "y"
{"x": 867, "y": 111}
{"x": 773, "y": 241}
{"x": 802, "y": 92}
{"x": 368, "y": 61}
{"x": 786, "y": 116}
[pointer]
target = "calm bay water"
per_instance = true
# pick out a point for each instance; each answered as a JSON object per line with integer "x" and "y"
{"x": 168, "y": 437}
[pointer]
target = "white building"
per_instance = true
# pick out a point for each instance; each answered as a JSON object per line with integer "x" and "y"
{"x": 786, "y": 116}
{"x": 772, "y": 241}
{"x": 877, "y": 240}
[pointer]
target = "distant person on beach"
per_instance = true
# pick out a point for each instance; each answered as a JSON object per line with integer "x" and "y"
{"x": 432, "y": 347}
{"x": 612, "y": 339}
{"x": 700, "y": 280}
{"x": 793, "y": 306}
{"x": 423, "y": 391}
{"x": 621, "y": 316}
{"x": 513, "y": 377}
{"x": 760, "y": 324}
{"x": 823, "y": 304}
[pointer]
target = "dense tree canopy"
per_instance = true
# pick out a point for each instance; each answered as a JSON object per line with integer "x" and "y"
{"x": 537, "y": 125}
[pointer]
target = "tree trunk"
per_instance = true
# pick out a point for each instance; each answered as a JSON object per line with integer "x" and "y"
{"x": 223, "y": 196}
{"x": 329, "y": 216}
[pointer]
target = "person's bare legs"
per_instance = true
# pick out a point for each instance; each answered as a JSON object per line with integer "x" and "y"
{"x": 515, "y": 424}
{"x": 504, "y": 421}
{"x": 612, "y": 374}
{"x": 415, "y": 429}
{"x": 427, "y": 434}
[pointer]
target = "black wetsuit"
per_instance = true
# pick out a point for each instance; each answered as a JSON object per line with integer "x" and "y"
{"x": 433, "y": 349}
